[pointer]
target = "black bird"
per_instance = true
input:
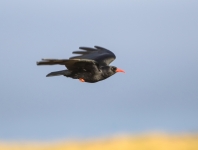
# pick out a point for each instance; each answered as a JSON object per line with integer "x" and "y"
{"x": 91, "y": 66}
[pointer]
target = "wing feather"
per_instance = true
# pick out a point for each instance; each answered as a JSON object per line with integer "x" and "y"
{"x": 99, "y": 54}
{"x": 87, "y": 48}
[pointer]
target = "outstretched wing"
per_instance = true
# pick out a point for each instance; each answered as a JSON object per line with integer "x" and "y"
{"x": 71, "y": 64}
{"x": 99, "y": 54}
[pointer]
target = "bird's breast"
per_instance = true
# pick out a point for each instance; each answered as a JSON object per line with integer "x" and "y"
{"x": 92, "y": 77}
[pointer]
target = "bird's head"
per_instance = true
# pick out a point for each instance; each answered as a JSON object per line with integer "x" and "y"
{"x": 110, "y": 70}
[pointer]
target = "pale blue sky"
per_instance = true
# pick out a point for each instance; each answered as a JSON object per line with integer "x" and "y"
{"x": 155, "y": 43}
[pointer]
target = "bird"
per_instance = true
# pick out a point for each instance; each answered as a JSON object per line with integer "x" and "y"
{"x": 92, "y": 65}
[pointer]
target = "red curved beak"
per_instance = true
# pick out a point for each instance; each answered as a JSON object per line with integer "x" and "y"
{"x": 120, "y": 70}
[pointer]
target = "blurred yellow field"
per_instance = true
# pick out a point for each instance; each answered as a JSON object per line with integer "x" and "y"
{"x": 142, "y": 142}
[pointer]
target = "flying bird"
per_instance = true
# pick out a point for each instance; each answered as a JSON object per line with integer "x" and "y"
{"x": 92, "y": 65}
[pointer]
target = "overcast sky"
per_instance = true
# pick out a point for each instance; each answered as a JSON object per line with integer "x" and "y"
{"x": 156, "y": 43}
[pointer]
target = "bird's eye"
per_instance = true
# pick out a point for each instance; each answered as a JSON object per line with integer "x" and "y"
{"x": 113, "y": 68}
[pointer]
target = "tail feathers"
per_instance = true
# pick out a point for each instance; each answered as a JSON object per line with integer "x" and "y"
{"x": 58, "y": 73}
{"x": 52, "y": 62}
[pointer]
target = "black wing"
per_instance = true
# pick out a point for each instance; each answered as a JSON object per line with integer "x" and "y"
{"x": 99, "y": 54}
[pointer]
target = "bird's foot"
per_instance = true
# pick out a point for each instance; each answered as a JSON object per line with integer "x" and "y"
{"x": 81, "y": 80}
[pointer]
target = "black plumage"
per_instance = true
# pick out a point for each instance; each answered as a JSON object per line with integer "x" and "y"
{"x": 92, "y": 65}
